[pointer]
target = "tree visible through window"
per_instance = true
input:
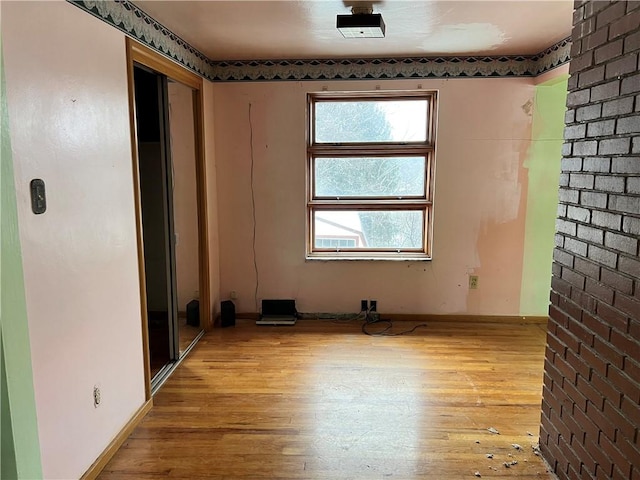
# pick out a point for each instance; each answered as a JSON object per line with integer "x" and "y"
{"x": 370, "y": 171}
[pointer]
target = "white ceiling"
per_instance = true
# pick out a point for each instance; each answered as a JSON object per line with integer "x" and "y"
{"x": 306, "y": 29}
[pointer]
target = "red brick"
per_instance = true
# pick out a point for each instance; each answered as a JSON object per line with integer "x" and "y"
{"x": 587, "y": 147}
{"x": 609, "y": 183}
{"x": 593, "y": 199}
{"x": 591, "y": 76}
{"x": 588, "y": 112}
{"x": 614, "y": 146}
{"x": 621, "y": 421}
{"x": 624, "y": 343}
{"x": 556, "y": 269}
{"x": 556, "y": 376}
{"x": 605, "y": 91}
{"x": 578, "y": 97}
{"x": 631, "y": 225}
{"x": 631, "y": 411}
{"x": 558, "y": 346}
{"x": 570, "y": 308}
{"x": 575, "y": 246}
{"x": 633, "y": 185}
{"x": 621, "y": 243}
{"x": 619, "y": 106}
{"x": 613, "y": 317}
{"x": 625, "y": 165}
{"x": 604, "y": 386}
{"x": 557, "y": 315}
{"x": 622, "y": 66}
{"x": 624, "y": 25}
{"x": 632, "y": 42}
{"x": 602, "y": 256}
{"x": 629, "y": 265}
{"x": 601, "y": 129}
{"x": 606, "y": 219}
{"x": 619, "y": 282}
{"x": 586, "y": 461}
{"x": 630, "y": 85}
{"x": 627, "y": 305}
{"x": 591, "y": 8}
{"x": 607, "y": 16}
{"x": 604, "y": 424}
{"x": 563, "y": 257}
{"x": 567, "y": 371}
{"x": 575, "y": 279}
{"x": 597, "y": 326}
{"x": 596, "y": 362}
{"x": 608, "y": 51}
{"x": 575, "y": 131}
{"x": 588, "y": 424}
{"x": 628, "y": 450}
{"x": 632, "y": 5}
{"x": 550, "y": 399}
{"x": 627, "y": 386}
{"x": 578, "y": 214}
{"x": 590, "y": 269}
{"x": 619, "y": 461}
{"x": 590, "y": 234}
{"x": 624, "y": 203}
{"x": 578, "y": 364}
{"x": 597, "y": 164}
{"x": 604, "y": 462}
{"x": 628, "y": 124}
{"x": 608, "y": 353}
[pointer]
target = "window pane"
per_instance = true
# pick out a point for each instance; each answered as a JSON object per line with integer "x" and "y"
{"x": 369, "y": 229}
{"x": 371, "y": 121}
{"x": 370, "y": 177}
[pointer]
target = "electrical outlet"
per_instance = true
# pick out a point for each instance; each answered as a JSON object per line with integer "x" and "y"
{"x": 97, "y": 396}
{"x": 363, "y": 305}
{"x": 473, "y": 282}
{"x": 374, "y": 305}
{"x": 233, "y": 295}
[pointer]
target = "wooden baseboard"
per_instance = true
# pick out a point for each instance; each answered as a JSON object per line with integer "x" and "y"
{"x": 117, "y": 442}
{"x": 530, "y": 319}
{"x": 419, "y": 317}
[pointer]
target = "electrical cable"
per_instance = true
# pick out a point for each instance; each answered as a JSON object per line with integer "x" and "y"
{"x": 348, "y": 320}
{"x": 253, "y": 210}
{"x": 388, "y": 325}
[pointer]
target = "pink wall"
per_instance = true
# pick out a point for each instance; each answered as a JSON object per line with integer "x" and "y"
{"x": 185, "y": 195}
{"x": 483, "y": 139}
{"x": 212, "y": 199}
{"x": 68, "y": 108}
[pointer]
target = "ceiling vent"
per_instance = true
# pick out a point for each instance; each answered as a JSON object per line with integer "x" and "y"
{"x": 362, "y": 23}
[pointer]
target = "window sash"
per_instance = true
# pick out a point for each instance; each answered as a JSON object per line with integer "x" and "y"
{"x": 421, "y": 203}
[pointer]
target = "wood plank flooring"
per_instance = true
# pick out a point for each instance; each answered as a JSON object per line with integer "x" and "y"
{"x": 321, "y": 400}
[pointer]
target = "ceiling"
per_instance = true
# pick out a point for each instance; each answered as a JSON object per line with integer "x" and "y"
{"x": 305, "y": 29}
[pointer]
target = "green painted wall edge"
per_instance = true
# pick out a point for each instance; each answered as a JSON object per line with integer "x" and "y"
{"x": 543, "y": 166}
{"x": 20, "y": 444}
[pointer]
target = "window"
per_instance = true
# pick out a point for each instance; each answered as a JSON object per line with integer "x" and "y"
{"x": 370, "y": 175}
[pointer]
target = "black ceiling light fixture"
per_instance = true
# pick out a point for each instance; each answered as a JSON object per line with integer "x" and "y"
{"x": 362, "y": 23}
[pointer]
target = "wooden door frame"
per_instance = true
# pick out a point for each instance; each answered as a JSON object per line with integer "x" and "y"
{"x": 138, "y": 53}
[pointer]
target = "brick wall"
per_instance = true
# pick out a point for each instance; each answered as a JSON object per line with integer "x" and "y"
{"x": 591, "y": 392}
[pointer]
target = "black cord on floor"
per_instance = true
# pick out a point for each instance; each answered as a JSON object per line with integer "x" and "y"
{"x": 388, "y": 325}
{"x": 358, "y": 316}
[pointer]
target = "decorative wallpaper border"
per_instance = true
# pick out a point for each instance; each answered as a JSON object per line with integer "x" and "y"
{"x": 134, "y": 22}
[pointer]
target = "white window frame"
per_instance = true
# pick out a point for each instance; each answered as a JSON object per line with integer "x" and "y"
{"x": 422, "y": 203}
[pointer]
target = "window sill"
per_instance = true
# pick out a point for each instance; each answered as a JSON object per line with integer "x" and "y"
{"x": 368, "y": 258}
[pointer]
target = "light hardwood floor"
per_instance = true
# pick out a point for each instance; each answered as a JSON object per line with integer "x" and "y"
{"x": 323, "y": 401}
